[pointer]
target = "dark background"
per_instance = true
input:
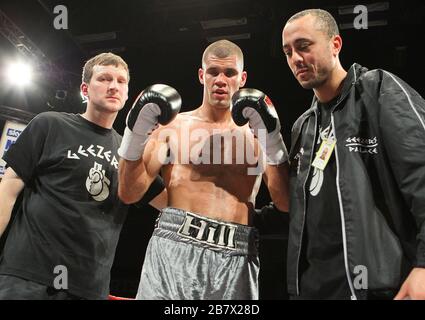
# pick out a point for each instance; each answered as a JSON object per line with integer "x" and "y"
{"x": 162, "y": 41}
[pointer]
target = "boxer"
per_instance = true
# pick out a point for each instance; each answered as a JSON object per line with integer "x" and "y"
{"x": 204, "y": 245}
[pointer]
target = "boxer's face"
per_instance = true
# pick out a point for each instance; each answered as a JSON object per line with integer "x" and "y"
{"x": 107, "y": 89}
{"x": 310, "y": 53}
{"x": 221, "y": 78}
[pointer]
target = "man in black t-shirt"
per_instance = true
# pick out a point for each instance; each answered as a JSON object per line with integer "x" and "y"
{"x": 62, "y": 242}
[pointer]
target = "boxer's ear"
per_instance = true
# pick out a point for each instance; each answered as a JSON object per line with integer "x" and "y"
{"x": 244, "y": 76}
{"x": 201, "y": 75}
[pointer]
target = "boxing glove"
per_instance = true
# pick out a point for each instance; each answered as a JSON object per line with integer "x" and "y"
{"x": 253, "y": 106}
{"x": 158, "y": 103}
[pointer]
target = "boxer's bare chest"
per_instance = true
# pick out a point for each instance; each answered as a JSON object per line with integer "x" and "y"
{"x": 211, "y": 149}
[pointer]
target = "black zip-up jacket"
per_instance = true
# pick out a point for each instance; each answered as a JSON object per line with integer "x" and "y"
{"x": 379, "y": 125}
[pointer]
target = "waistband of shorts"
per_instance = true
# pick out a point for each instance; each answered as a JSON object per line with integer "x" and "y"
{"x": 215, "y": 234}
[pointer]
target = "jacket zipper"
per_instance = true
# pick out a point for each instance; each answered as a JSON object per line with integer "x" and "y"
{"x": 344, "y": 236}
{"x": 305, "y": 181}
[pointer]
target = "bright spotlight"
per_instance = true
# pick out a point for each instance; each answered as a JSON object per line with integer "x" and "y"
{"x": 19, "y": 74}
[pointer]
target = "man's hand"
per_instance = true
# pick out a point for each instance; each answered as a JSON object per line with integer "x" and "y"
{"x": 413, "y": 287}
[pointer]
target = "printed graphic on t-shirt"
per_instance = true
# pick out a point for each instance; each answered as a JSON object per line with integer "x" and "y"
{"x": 97, "y": 152}
{"x": 316, "y": 181}
{"x": 97, "y": 183}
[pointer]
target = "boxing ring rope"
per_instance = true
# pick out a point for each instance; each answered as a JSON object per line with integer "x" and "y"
{"x": 112, "y": 297}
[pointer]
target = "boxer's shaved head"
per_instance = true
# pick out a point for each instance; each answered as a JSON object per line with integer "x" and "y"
{"x": 223, "y": 49}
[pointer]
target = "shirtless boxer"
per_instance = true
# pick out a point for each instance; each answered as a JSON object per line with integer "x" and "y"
{"x": 203, "y": 246}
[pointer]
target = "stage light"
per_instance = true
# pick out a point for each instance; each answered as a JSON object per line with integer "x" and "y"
{"x": 19, "y": 74}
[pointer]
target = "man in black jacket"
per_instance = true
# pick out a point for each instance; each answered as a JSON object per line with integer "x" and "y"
{"x": 357, "y": 177}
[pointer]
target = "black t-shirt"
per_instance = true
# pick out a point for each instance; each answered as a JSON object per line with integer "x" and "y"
{"x": 70, "y": 214}
{"x": 322, "y": 272}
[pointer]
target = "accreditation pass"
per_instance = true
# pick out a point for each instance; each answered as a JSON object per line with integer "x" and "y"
{"x": 324, "y": 154}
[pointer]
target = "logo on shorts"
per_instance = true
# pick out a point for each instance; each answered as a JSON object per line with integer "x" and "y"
{"x": 218, "y": 234}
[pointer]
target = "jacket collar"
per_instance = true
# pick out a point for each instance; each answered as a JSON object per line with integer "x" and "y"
{"x": 350, "y": 80}
{"x": 353, "y": 74}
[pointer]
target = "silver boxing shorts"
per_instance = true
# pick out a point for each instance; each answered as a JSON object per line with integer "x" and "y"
{"x": 191, "y": 257}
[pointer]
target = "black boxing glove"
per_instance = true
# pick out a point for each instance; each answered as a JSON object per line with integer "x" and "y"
{"x": 158, "y": 103}
{"x": 253, "y": 106}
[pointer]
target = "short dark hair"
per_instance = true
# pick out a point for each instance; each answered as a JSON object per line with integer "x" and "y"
{"x": 103, "y": 59}
{"x": 223, "y": 49}
{"x": 324, "y": 20}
